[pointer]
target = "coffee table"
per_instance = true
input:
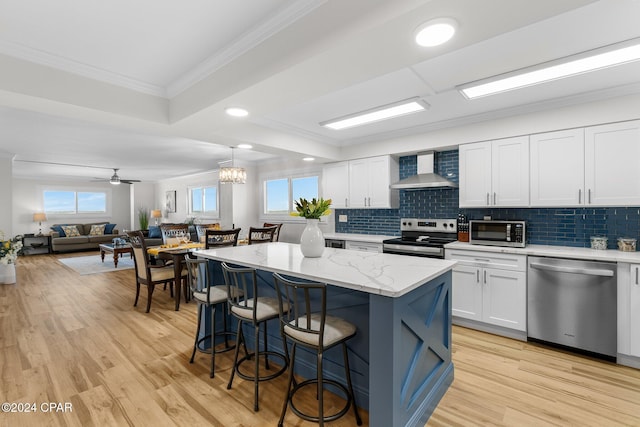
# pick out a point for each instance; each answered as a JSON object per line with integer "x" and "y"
{"x": 117, "y": 251}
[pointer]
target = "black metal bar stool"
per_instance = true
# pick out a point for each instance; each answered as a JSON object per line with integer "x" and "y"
{"x": 248, "y": 307}
{"x": 208, "y": 296}
{"x": 317, "y": 331}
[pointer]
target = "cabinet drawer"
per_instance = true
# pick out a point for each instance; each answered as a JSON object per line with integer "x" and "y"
{"x": 488, "y": 259}
{"x": 363, "y": 246}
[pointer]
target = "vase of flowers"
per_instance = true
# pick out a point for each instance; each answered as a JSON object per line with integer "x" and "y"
{"x": 9, "y": 250}
{"x": 312, "y": 240}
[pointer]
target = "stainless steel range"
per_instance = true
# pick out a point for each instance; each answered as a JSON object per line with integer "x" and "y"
{"x": 422, "y": 237}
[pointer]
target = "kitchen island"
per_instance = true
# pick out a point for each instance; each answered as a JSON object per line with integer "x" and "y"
{"x": 401, "y": 305}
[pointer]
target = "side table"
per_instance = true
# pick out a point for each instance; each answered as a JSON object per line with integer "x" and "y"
{"x": 33, "y": 244}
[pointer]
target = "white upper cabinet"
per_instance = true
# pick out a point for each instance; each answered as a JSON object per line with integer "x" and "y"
{"x": 612, "y": 175}
{"x": 361, "y": 183}
{"x": 495, "y": 173}
{"x": 595, "y": 166}
{"x": 557, "y": 168}
{"x": 335, "y": 179}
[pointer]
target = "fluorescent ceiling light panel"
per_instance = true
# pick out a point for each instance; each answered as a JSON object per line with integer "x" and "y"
{"x": 397, "y": 109}
{"x": 584, "y": 63}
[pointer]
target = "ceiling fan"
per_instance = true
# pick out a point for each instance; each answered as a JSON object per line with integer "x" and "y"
{"x": 115, "y": 179}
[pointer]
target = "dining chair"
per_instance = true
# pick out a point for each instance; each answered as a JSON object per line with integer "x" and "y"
{"x": 248, "y": 307}
{"x": 147, "y": 273}
{"x": 208, "y": 296}
{"x": 171, "y": 231}
{"x": 302, "y": 308}
{"x": 201, "y": 228}
{"x": 220, "y": 238}
{"x": 261, "y": 234}
{"x": 276, "y": 237}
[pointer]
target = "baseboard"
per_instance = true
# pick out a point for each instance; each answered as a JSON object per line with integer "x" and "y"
{"x": 492, "y": 329}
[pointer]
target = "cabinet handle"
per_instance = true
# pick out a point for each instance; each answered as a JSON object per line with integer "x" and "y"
{"x": 487, "y": 199}
{"x": 494, "y": 198}
{"x": 589, "y": 196}
{"x": 579, "y": 196}
{"x": 637, "y": 268}
{"x": 369, "y": 201}
{"x": 485, "y": 277}
{"x": 345, "y": 202}
{"x": 365, "y": 201}
{"x": 478, "y": 276}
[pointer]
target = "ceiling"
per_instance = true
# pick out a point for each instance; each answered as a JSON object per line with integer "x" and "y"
{"x": 142, "y": 86}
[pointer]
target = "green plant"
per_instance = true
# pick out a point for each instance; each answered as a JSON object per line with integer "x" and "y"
{"x": 143, "y": 218}
{"x": 312, "y": 210}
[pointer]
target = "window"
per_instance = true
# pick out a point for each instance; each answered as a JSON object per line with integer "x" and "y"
{"x": 68, "y": 202}
{"x": 280, "y": 193}
{"x": 204, "y": 200}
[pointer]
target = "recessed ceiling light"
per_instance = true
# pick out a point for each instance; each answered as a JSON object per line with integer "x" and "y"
{"x": 308, "y": 159}
{"x": 397, "y": 109}
{"x": 245, "y": 146}
{"x": 566, "y": 67}
{"x": 436, "y": 32}
{"x": 237, "y": 112}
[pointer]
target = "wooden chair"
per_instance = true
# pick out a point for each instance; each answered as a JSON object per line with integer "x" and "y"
{"x": 317, "y": 331}
{"x": 276, "y": 237}
{"x": 148, "y": 274}
{"x": 220, "y": 238}
{"x": 248, "y": 307}
{"x": 201, "y": 228}
{"x": 261, "y": 234}
{"x": 171, "y": 231}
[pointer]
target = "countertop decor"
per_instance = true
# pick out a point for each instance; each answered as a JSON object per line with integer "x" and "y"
{"x": 9, "y": 250}
{"x": 311, "y": 240}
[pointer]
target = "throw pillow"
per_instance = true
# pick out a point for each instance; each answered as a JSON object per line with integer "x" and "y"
{"x": 58, "y": 229}
{"x": 108, "y": 229}
{"x": 154, "y": 232}
{"x": 97, "y": 230}
{"x": 70, "y": 231}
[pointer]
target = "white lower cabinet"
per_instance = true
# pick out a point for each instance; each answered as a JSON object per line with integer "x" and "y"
{"x": 363, "y": 246}
{"x": 490, "y": 288}
{"x": 629, "y": 314}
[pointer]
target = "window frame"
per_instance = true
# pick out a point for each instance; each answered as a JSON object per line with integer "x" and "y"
{"x": 75, "y": 190}
{"x": 289, "y": 176}
{"x": 203, "y": 214}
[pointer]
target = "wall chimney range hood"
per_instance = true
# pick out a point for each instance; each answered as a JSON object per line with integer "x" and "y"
{"x": 425, "y": 178}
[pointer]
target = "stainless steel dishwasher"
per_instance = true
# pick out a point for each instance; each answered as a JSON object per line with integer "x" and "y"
{"x": 573, "y": 303}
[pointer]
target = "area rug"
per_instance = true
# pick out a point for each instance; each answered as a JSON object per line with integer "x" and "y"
{"x": 92, "y": 264}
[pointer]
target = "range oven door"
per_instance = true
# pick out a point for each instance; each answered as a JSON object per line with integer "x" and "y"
{"x": 413, "y": 250}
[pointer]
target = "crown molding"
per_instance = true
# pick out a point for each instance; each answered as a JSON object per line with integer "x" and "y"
{"x": 247, "y": 41}
{"x": 78, "y": 68}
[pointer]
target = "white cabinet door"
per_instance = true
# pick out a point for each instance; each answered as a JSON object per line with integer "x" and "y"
{"x": 358, "y": 183}
{"x": 335, "y": 178}
{"x": 504, "y": 298}
{"x": 634, "y": 312}
{"x": 475, "y": 174}
{"x": 379, "y": 173}
{"x": 510, "y": 172}
{"x": 467, "y": 292}
{"x": 557, "y": 168}
{"x": 612, "y": 175}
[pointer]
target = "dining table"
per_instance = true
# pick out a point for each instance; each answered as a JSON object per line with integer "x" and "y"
{"x": 176, "y": 253}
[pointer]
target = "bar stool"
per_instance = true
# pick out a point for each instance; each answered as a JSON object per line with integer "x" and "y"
{"x": 256, "y": 310}
{"x": 318, "y": 332}
{"x": 208, "y": 296}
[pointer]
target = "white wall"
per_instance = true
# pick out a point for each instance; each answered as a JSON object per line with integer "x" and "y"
{"x": 27, "y": 199}
{"x": 6, "y": 196}
{"x": 143, "y": 196}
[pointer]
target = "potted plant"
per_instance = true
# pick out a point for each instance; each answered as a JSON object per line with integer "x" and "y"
{"x": 312, "y": 240}
{"x": 9, "y": 251}
{"x": 143, "y": 218}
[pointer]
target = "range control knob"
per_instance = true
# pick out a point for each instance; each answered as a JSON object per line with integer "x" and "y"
{"x": 451, "y": 225}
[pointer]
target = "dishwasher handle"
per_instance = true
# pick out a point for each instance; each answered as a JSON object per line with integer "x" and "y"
{"x": 585, "y": 271}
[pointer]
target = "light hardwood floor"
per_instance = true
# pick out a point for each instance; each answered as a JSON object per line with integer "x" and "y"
{"x": 77, "y": 339}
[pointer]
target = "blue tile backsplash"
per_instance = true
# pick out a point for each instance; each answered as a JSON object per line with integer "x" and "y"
{"x": 545, "y": 226}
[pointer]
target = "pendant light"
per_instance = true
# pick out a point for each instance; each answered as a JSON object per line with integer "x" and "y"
{"x": 232, "y": 174}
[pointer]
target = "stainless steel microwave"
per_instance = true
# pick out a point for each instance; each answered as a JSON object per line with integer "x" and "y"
{"x": 498, "y": 233}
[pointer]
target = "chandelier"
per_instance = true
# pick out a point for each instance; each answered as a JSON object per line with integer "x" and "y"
{"x": 232, "y": 174}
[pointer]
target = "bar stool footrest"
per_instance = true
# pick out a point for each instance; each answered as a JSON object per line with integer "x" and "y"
{"x": 207, "y": 350}
{"x": 249, "y": 357}
{"x": 314, "y": 381}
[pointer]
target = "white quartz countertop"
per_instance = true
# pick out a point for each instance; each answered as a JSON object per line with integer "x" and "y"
{"x": 369, "y": 238}
{"x": 612, "y": 255}
{"x": 377, "y": 273}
